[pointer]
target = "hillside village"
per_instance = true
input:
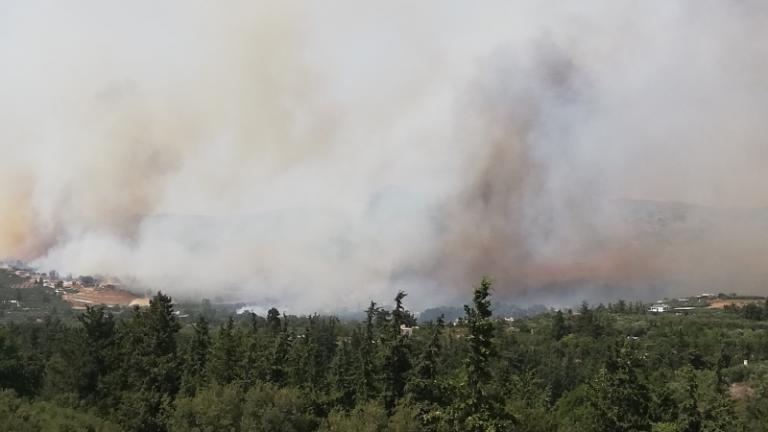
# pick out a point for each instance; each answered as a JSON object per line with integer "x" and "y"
{"x": 684, "y": 305}
{"x": 78, "y": 292}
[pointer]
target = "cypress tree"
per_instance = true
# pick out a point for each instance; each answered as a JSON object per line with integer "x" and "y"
{"x": 481, "y": 412}
{"x": 225, "y": 354}
{"x": 481, "y": 346}
{"x": 196, "y": 361}
{"x": 559, "y": 328}
{"x": 396, "y": 362}
{"x": 99, "y": 333}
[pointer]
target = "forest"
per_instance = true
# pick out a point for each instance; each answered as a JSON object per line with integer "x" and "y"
{"x": 602, "y": 368}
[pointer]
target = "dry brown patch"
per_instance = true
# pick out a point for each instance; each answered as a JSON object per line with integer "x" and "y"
{"x": 95, "y": 296}
{"x": 720, "y": 304}
{"x": 26, "y": 284}
{"x": 741, "y": 391}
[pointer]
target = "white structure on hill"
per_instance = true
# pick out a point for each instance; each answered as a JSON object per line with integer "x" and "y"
{"x": 406, "y": 331}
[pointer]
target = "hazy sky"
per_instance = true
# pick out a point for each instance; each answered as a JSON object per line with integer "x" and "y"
{"x": 316, "y": 154}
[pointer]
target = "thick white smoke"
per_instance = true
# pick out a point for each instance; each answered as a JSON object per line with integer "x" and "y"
{"x": 320, "y": 155}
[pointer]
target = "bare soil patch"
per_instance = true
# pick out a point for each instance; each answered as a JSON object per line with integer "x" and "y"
{"x": 96, "y": 296}
{"x": 720, "y": 304}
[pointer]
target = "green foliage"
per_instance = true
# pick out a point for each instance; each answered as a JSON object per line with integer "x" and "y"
{"x": 272, "y": 409}
{"x": 273, "y": 321}
{"x": 99, "y": 351}
{"x": 371, "y": 417}
{"x": 13, "y": 373}
{"x": 574, "y": 410}
{"x": 396, "y": 357}
{"x": 149, "y": 374}
{"x": 17, "y": 415}
{"x": 619, "y": 395}
{"x": 196, "y": 358}
{"x": 342, "y": 377}
{"x": 529, "y": 400}
{"x": 481, "y": 348}
{"x": 363, "y": 342}
{"x": 224, "y": 357}
{"x": 481, "y": 411}
{"x": 216, "y": 408}
{"x": 559, "y": 327}
{"x": 426, "y": 386}
{"x": 33, "y": 302}
{"x": 604, "y": 368}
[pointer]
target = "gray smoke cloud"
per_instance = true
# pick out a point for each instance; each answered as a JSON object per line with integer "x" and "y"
{"x": 320, "y": 155}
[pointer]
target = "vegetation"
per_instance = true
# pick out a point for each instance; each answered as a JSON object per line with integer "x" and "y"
{"x": 30, "y": 303}
{"x": 605, "y": 368}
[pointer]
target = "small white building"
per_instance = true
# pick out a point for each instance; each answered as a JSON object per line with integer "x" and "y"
{"x": 657, "y": 308}
{"x": 406, "y": 331}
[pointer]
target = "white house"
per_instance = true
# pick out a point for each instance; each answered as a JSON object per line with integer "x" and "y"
{"x": 407, "y": 331}
{"x": 658, "y": 308}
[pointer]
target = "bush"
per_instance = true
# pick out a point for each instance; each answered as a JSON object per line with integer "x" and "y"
{"x": 19, "y": 416}
{"x": 268, "y": 408}
{"x": 216, "y": 408}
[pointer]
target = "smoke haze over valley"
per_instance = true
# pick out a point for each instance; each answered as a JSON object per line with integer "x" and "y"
{"x": 322, "y": 155}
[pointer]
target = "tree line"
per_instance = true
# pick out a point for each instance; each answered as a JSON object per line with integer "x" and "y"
{"x": 608, "y": 368}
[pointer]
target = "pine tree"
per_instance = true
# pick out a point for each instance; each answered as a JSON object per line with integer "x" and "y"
{"x": 559, "y": 328}
{"x": 151, "y": 367}
{"x": 225, "y": 354}
{"x": 273, "y": 321}
{"x": 256, "y": 348}
{"x": 481, "y": 346}
{"x": 159, "y": 328}
{"x": 99, "y": 332}
{"x": 428, "y": 363}
{"x": 690, "y": 417}
{"x": 723, "y": 362}
{"x": 619, "y": 396}
{"x": 12, "y": 368}
{"x": 276, "y": 373}
{"x": 587, "y": 323}
{"x": 363, "y": 343}
{"x": 481, "y": 412}
{"x": 324, "y": 339}
{"x": 424, "y": 385}
{"x": 396, "y": 360}
{"x": 342, "y": 378}
{"x": 196, "y": 362}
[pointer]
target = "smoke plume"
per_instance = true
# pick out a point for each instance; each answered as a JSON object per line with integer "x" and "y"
{"x": 320, "y": 155}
